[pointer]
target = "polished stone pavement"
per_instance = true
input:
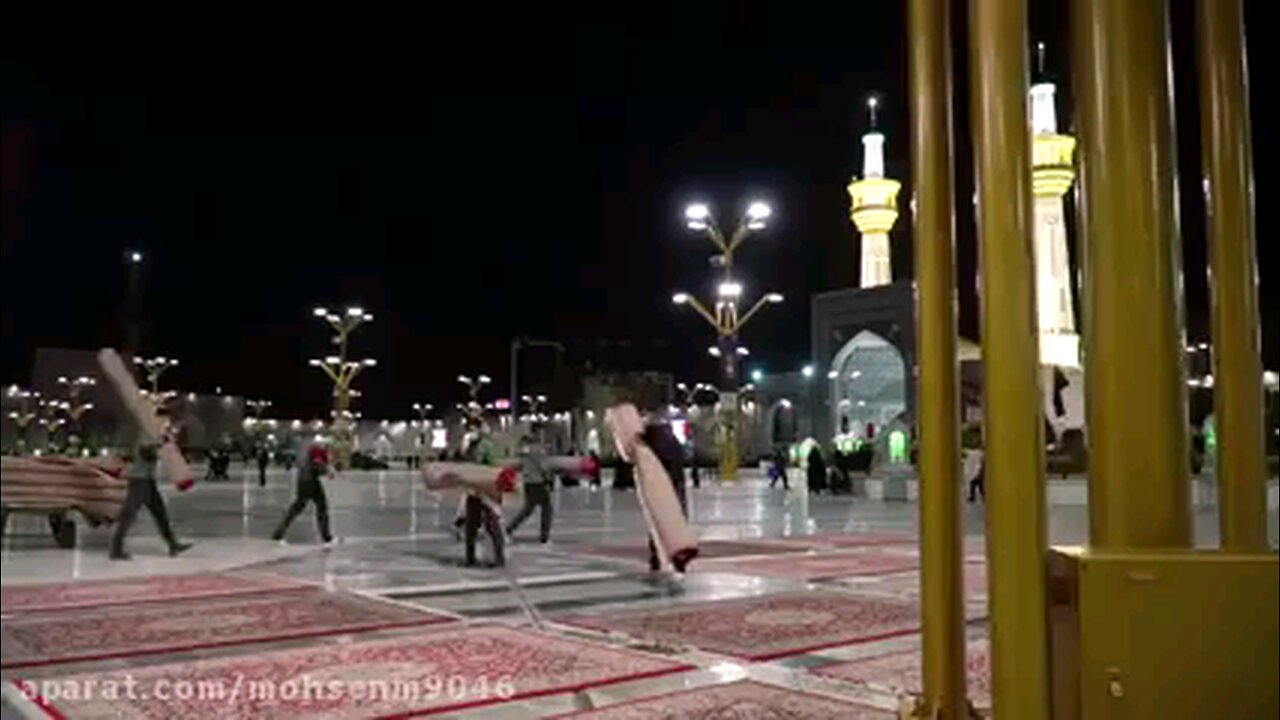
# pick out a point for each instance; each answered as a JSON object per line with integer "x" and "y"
{"x": 395, "y": 545}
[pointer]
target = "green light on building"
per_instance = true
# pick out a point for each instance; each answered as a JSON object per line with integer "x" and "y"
{"x": 897, "y": 447}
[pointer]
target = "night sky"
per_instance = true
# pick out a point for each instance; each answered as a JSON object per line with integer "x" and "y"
{"x": 465, "y": 182}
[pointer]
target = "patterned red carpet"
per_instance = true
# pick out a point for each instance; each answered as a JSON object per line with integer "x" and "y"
{"x": 974, "y": 548}
{"x": 430, "y": 670}
{"x": 816, "y": 566}
{"x": 128, "y": 591}
{"x": 745, "y": 699}
{"x": 94, "y": 634}
{"x": 639, "y": 551}
{"x": 766, "y": 627}
{"x": 907, "y": 585}
{"x": 840, "y": 540}
{"x": 900, "y": 671}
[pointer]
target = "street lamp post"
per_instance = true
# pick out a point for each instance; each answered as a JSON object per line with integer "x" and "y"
{"x": 24, "y": 415}
{"x": 132, "y": 313}
{"x": 725, "y": 319}
{"x": 423, "y": 409}
{"x": 257, "y": 406}
{"x": 424, "y": 423}
{"x": 50, "y": 420}
{"x": 535, "y": 402}
{"x": 342, "y": 372}
{"x": 254, "y": 423}
{"x": 473, "y": 409}
{"x": 518, "y": 344}
{"x": 153, "y": 368}
{"x": 76, "y": 408}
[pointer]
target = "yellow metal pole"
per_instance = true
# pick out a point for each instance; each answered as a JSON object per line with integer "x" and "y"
{"x": 1135, "y": 394}
{"x": 1228, "y": 182}
{"x": 938, "y": 418}
{"x": 729, "y": 373}
{"x": 1013, "y": 427}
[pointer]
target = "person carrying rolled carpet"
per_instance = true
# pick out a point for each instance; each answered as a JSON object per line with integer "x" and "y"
{"x": 537, "y": 487}
{"x": 142, "y": 490}
{"x": 659, "y": 461}
{"x": 309, "y": 490}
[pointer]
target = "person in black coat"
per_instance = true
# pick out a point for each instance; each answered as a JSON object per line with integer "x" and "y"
{"x": 264, "y": 457}
{"x": 816, "y": 472}
{"x": 624, "y": 475}
{"x": 595, "y": 469}
{"x": 143, "y": 492}
{"x": 309, "y": 490}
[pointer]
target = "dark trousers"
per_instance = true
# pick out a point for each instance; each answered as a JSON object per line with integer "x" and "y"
{"x": 536, "y": 495}
{"x": 262, "y": 474}
{"x": 978, "y": 485}
{"x": 780, "y": 473}
{"x": 308, "y": 491}
{"x": 142, "y": 491}
{"x": 478, "y": 513}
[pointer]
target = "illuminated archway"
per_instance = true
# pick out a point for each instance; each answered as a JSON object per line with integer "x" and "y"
{"x": 781, "y": 424}
{"x": 868, "y": 385}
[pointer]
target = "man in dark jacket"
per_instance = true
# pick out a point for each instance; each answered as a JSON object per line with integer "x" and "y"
{"x": 479, "y": 510}
{"x": 309, "y": 490}
{"x": 264, "y": 458}
{"x": 595, "y": 469}
{"x": 142, "y": 490}
{"x": 624, "y": 475}
{"x": 537, "y": 488}
{"x": 779, "y": 470}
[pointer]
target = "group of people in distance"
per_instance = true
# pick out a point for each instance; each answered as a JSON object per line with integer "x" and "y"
{"x": 477, "y": 508}
{"x": 143, "y": 491}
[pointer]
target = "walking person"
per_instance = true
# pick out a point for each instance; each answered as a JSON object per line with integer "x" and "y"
{"x": 263, "y": 458}
{"x": 624, "y": 476}
{"x": 476, "y": 447}
{"x": 978, "y": 483}
{"x": 779, "y": 469}
{"x": 816, "y": 472}
{"x": 219, "y": 463}
{"x": 309, "y": 490}
{"x": 595, "y": 469}
{"x": 693, "y": 461}
{"x": 537, "y": 488}
{"x": 142, "y": 490}
{"x": 480, "y": 509}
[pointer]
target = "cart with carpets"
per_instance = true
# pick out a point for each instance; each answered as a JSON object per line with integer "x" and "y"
{"x": 60, "y": 488}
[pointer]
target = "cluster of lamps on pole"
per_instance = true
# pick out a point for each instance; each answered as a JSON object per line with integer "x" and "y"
{"x": 723, "y": 315}
{"x": 342, "y": 371}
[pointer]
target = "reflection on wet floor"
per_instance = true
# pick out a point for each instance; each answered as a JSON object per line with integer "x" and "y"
{"x": 398, "y": 548}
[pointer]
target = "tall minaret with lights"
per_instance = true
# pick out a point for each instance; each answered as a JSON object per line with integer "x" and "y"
{"x": 874, "y": 207}
{"x": 1052, "y": 175}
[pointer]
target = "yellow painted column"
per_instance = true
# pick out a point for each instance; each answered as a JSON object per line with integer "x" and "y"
{"x": 937, "y": 396}
{"x": 1013, "y": 426}
{"x": 1227, "y": 153}
{"x": 1135, "y": 386}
